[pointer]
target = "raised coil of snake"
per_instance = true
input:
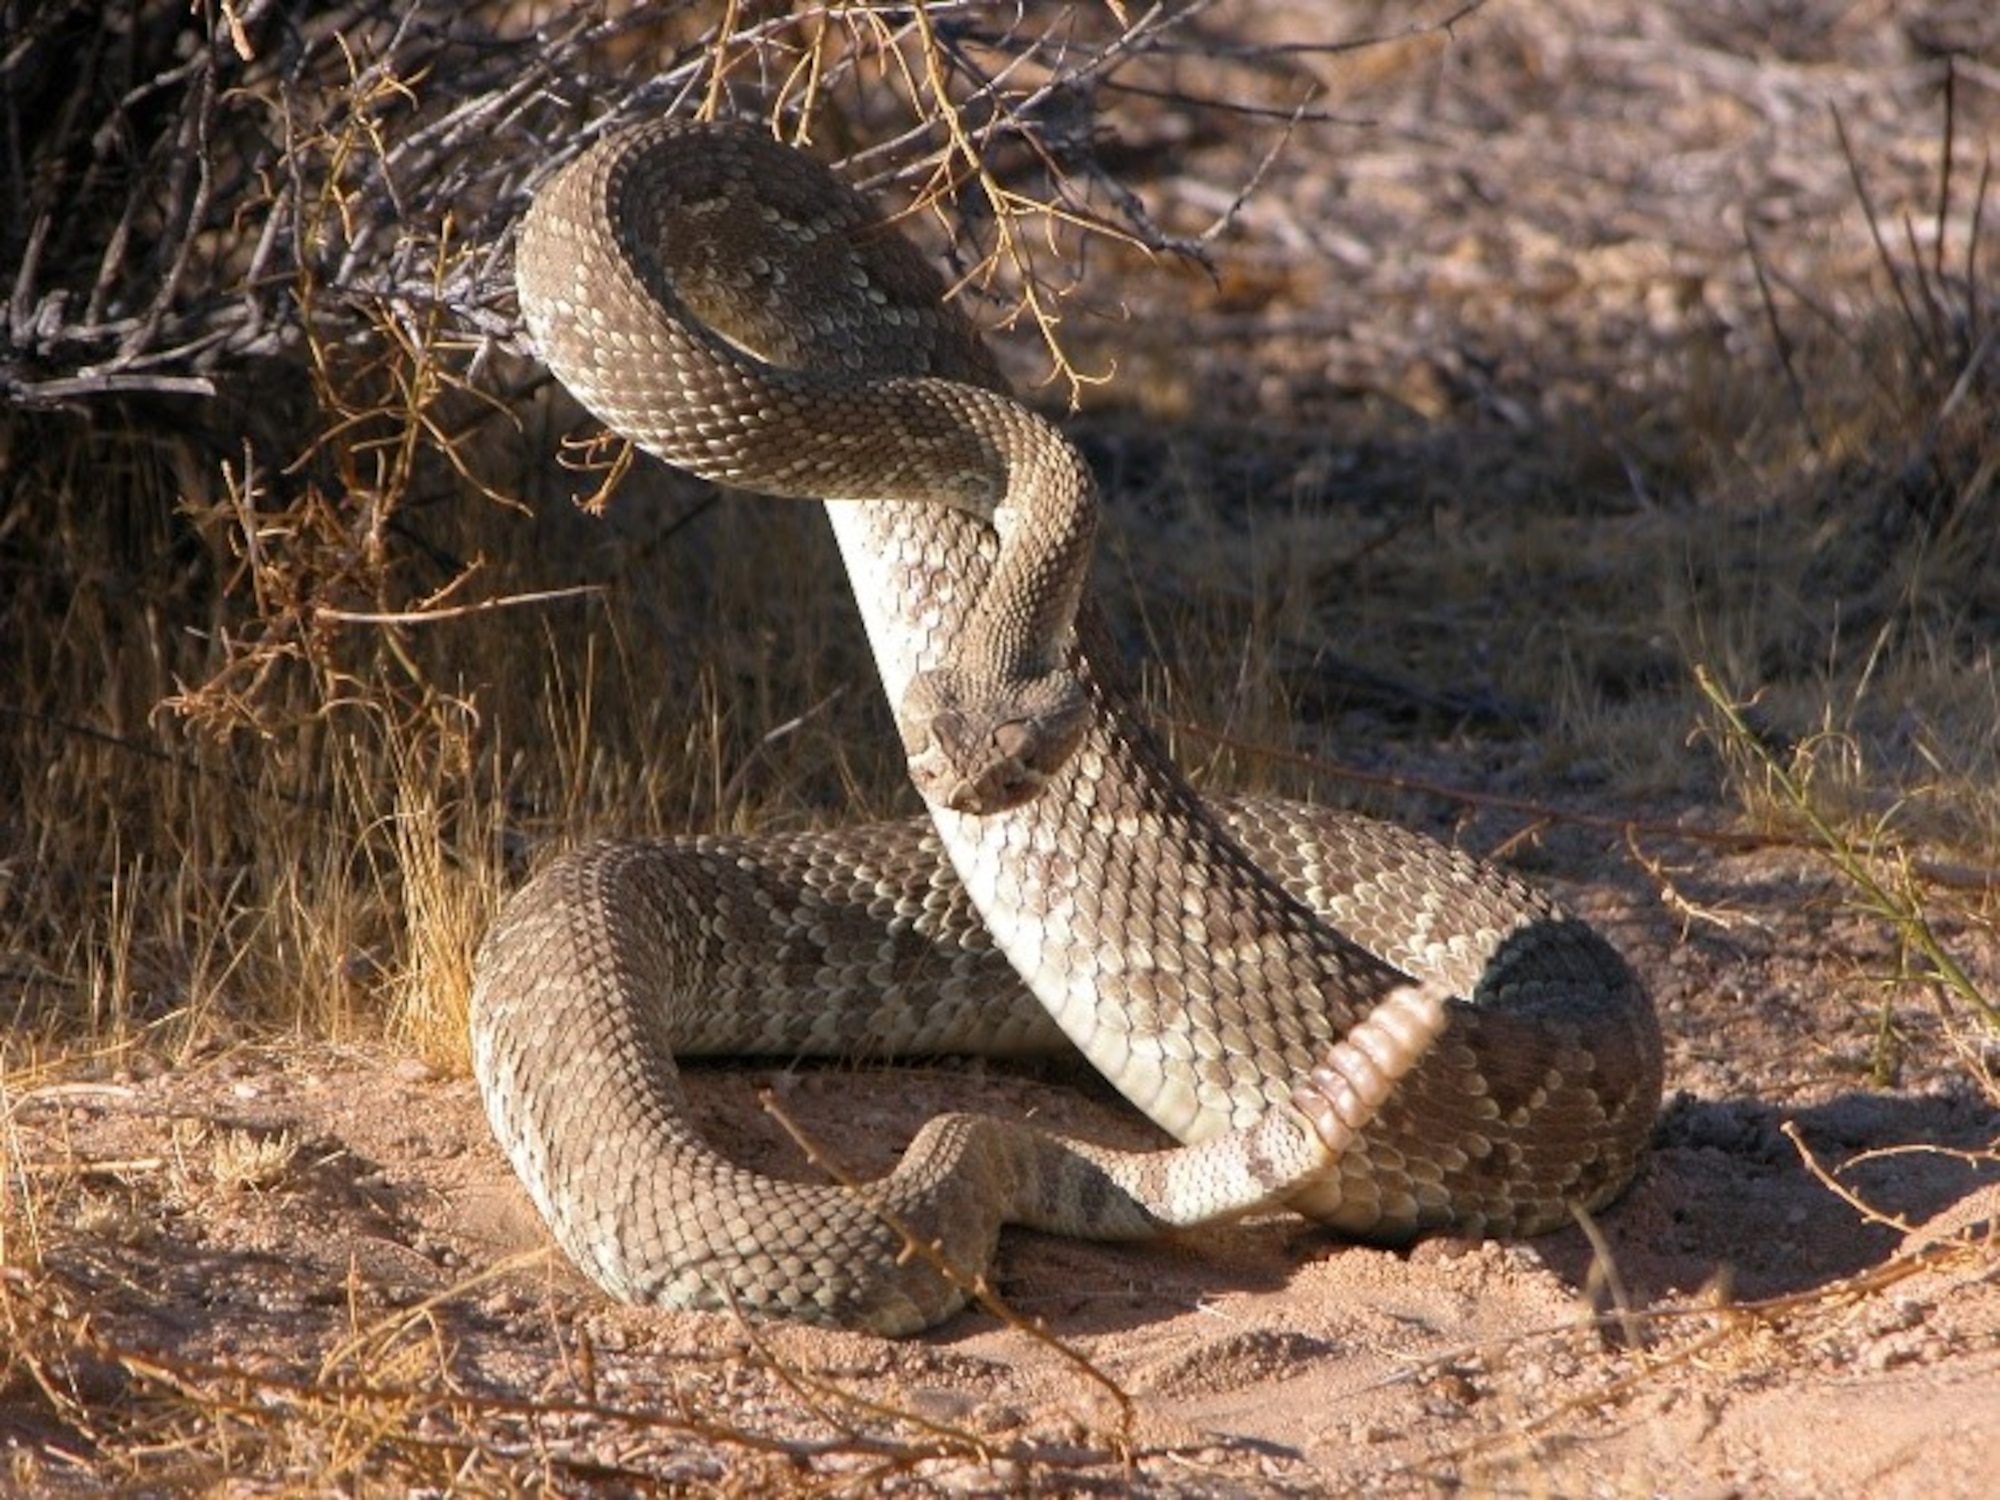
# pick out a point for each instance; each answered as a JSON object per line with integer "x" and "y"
{"x": 1334, "y": 1015}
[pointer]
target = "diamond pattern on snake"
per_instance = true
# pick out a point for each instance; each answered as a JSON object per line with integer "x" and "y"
{"x": 1335, "y": 1016}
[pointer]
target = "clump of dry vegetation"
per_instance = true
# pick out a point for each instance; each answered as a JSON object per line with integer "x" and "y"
{"x": 311, "y": 655}
{"x": 1897, "y": 478}
{"x": 266, "y": 434}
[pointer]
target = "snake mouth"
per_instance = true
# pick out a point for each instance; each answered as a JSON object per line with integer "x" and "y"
{"x": 1007, "y": 777}
{"x": 981, "y": 747}
{"x": 1003, "y": 788}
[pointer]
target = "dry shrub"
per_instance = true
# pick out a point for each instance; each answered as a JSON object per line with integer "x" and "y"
{"x": 266, "y": 437}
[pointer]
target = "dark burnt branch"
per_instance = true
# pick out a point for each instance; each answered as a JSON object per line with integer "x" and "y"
{"x": 191, "y": 186}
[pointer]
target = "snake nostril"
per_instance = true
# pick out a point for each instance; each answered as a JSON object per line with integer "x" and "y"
{"x": 1014, "y": 740}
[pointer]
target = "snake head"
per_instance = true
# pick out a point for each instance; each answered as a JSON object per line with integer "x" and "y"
{"x": 981, "y": 750}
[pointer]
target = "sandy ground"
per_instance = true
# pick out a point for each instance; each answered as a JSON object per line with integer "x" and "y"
{"x": 1747, "y": 1330}
{"x": 322, "y": 1250}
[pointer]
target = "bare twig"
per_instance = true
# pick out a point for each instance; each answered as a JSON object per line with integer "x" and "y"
{"x": 439, "y": 614}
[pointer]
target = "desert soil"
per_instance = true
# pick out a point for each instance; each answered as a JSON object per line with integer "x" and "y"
{"x": 296, "y": 1214}
{"x": 1800, "y": 1295}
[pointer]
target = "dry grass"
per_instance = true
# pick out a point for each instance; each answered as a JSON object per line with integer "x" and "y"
{"x": 300, "y": 689}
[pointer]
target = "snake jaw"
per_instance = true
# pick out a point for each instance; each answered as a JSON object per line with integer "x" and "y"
{"x": 983, "y": 751}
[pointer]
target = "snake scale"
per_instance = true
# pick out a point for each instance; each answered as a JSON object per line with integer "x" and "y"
{"x": 1332, "y": 1014}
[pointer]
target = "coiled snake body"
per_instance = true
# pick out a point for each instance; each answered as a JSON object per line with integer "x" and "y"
{"x": 1334, "y": 1014}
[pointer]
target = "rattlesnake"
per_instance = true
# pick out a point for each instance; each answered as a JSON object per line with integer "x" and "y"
{"x": 1339, "y": 1016}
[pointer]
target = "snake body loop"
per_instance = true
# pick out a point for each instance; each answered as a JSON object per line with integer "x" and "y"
{"x": 1331, "y": 1013}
